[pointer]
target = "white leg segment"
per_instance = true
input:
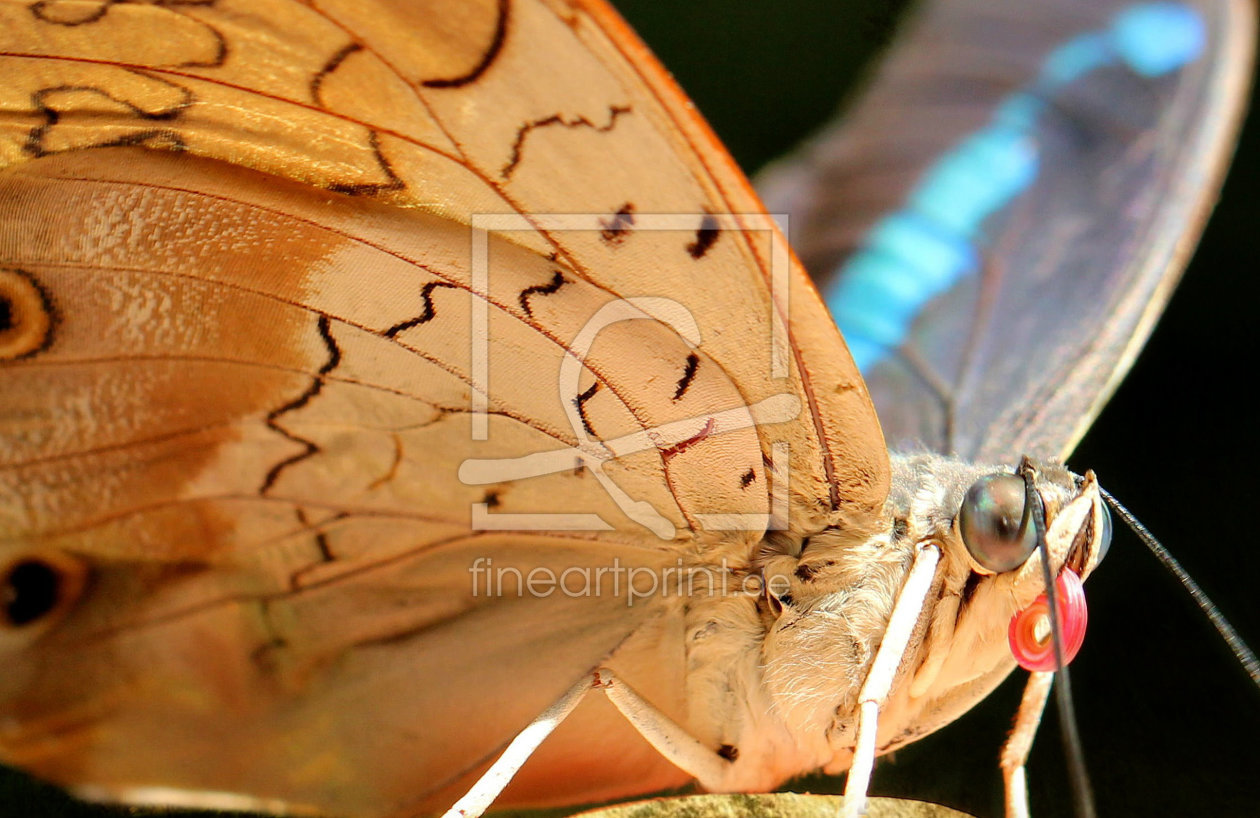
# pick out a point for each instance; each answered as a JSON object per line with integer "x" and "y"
{"x": 901, "y": 624}
{"x": 678, "y": 746}
{"x": 1019, "y": 743}
{"x": 478, "y": 799}
{"x": 662, "y": 732}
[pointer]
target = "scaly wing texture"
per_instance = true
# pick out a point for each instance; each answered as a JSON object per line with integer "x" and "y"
{"x": 246, "y": 329}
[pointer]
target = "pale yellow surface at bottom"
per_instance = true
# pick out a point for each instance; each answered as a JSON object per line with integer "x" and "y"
{"x": 775, "y": 805}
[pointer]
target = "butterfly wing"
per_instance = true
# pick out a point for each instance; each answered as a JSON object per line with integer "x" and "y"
{"x": 244, "y": 376}
{"x": 1019, "y": 355}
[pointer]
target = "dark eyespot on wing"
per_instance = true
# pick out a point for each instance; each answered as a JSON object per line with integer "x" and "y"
{"x": 689, "y": 374}
{"x": 27, "y": 318}
{"x": 32, "y": 589}
{"x": 706, "y": 236}
{"x": 618, "y": 227}
{"x": 427, "y": 312}
{"x": 580, "y": 403}
{"x": 487, "y": 58}
{"x": 557, "y": 281}
{"x": 747, "y": 479}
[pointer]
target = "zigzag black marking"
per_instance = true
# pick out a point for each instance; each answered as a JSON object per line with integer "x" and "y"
{"x": 308, "y": 447}
{"x": 580, "y": 403}
{"x": 689, "y": 373}
{"x": 426, "y": 295}
{"x": 557, "y": 281}
{"x": 518, "y": 144}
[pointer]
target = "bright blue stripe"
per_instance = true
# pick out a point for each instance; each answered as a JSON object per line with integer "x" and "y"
{"x": 976, "y": 179}
{"x": 1019, "y": 112}
{"x": 937, "y": 256}
{"x": 1074, "y": 59}
{"x": 1156, "y": 38}
{"x": 918, "y": 253}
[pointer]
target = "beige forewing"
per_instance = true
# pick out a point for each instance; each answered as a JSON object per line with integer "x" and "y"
{"x": 523, "y": 107}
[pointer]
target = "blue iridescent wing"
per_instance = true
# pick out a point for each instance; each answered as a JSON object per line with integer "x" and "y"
{"x": 998, "y": 222}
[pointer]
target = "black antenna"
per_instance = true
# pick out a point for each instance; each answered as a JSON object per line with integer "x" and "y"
{"x": 1245, "y": 655}
{"x": 1082, "y": 790}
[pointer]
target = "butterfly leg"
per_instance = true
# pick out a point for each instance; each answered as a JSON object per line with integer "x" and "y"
{"x": 478, "y": 799}
{"x": 662, "y": 732}
{"x": 1015, "y": 751}
{"x": 670, "y": 739}
{"x": 901, "y": 625}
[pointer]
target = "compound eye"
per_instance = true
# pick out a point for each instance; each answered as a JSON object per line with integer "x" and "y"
{"x": 1104, "y": 539}
{"x": 989, "y": 522}
{"x": 36, "y": 588}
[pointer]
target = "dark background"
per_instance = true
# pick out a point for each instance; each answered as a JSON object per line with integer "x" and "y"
{"x": 1170, "y": 723}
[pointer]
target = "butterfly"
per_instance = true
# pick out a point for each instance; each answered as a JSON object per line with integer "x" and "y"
{"x": 383, "y": 192}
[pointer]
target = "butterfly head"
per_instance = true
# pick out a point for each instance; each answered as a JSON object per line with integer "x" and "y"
{"x": 999, "y": 528}
{"x": 989, "y": 573}
{"x": 991, "y": 608}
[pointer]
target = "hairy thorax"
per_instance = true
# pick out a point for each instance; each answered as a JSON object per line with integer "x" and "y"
{"x": 776, "y": 676}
